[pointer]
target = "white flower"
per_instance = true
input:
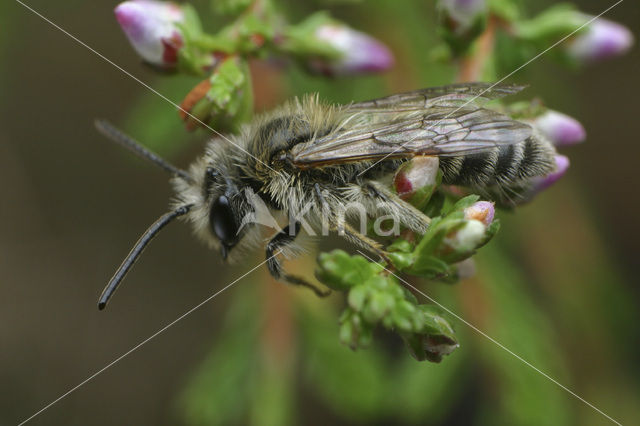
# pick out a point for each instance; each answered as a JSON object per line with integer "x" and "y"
{"x": 602, "y": 39}
{"x": 469, "y": 237}
{"x": 151, "y": 28}
{"x": 560, "y": 128}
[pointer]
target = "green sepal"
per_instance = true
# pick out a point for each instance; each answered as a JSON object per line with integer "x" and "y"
{"x": 300, "y": 40}
{"x": 191, "y": 58}
{"x": 435, "y": 339}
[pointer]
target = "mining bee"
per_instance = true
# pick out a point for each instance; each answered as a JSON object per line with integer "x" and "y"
{"x": 312, "y": 153}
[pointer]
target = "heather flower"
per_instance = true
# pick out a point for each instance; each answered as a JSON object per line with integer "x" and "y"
{"x": 416, "y": 180}
{"x": 540, "y": 184}
{"x": 471, "y": 235}
{"x": 357, "y": 52}
{"x": 560, "y": 128}
{"x": 482, "y": 211}
{"x": 602, "y": 39}
{"x": 153, "y": 30}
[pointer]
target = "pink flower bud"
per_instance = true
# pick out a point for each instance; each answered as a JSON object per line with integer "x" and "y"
{"x": 560, "y": 129}
{"x": 151, "y": 28}
{"x": 602, "y": 39}
{"x": 562, "y": 165}
{"x": 482, "y": 211}
{"x": 417, "y": 179}
{"x": 359, "y": 52}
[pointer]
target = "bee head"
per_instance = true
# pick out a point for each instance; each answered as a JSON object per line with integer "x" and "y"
{"x": 218, "y": 196}
{"x": 224, "y": 201}
{"x": 208, "y": 196}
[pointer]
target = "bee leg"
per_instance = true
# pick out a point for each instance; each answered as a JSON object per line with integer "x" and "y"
{"x": 274, "y": 246}
{"x": 369, "y": 244}
{"x": 323, "y": 201}
{"x": 408, "y": 215}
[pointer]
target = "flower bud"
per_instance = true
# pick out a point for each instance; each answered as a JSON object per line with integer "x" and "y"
{"x": 357, "y": 52}
{"x": 560, "y": 129}
{"x": 462, "y": 14}
{"x": 540, "y": 184}
{"x": 224, "y": 100}
{"x": 482, "y": 211}
{"x": 602, "y": 39}
{"x": 416, "y": 180}
{"x": 151, "y": 27}
{"x": 467, "y": 238}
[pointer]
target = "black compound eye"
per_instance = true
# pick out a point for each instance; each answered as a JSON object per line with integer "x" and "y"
{"x": 223, "y": 223}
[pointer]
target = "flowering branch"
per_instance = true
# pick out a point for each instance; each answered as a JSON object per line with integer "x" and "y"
{"x": 169, "y": 37}
{"x": 478, "y": 36}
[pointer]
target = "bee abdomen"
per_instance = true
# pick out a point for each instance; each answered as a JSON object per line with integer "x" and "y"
{"x": 504, "y": 165}
{"x": 476, "y": 169}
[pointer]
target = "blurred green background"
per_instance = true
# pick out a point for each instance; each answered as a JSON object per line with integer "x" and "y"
{"x": 558, "y": 285}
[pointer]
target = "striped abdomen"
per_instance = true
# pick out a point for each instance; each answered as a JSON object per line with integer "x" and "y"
{"x": 505, "y": 165}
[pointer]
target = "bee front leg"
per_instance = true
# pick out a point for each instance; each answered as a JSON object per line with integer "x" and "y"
{"x": 278, "y": 242}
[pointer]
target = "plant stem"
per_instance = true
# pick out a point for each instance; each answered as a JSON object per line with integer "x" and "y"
{"x": 473, "y": 65}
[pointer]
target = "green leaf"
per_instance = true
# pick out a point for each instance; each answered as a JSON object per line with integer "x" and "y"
{"x": 400, "y": 245}
{"x": 340, "y": 271}
{"x": 379, "y": 305}
{"x": 509, "y": 10}
{"x": 357, "y": 297}
{"x": 228, "y": 101}
{"x": 434, "y": 339}
{"x": 435, "y": 204}
{"x": 401, "y": 261}
{"x": 462, "y": 204}
{"x": 429, "y": 267}
{"x": 552, "y": 24}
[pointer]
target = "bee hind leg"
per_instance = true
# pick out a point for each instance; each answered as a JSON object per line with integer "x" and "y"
{"x": 408, "y": 215}
{"x": 274, "y": 247}
{"x": 361, "y": 240}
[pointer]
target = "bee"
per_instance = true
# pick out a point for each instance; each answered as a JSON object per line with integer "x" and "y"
{"x": 310, "y": 153}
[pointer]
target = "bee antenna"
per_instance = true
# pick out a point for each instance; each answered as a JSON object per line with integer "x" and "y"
{"x": 111, "y": 132}
{"x": 137, "y": 250}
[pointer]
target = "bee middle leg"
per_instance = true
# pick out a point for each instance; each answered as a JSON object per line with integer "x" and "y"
{"x": 274, "y": 246}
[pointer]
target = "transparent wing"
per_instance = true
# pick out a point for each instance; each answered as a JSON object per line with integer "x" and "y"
{"x": 439, "y": 121}
{"x": 454, "y": 95}
{"x": 438, "y": 130}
